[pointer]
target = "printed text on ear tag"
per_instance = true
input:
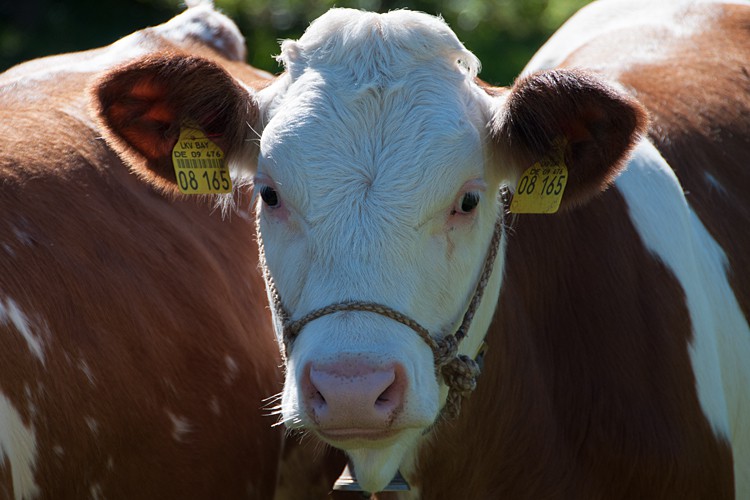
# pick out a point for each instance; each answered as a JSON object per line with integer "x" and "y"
{"x": 199, "y": 164}
{"x": 542, "y": 185}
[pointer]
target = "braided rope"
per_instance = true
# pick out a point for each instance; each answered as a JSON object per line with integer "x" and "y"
{"x": 484, "y": 278}
{"x": 293, "y": 328}
{"x": 274, "y": 297}
{"x": 459, "y": 372}
{"x": 460, "y": 375}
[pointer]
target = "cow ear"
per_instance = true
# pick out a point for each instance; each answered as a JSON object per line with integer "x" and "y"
{"x": 142, "y": 106}
{"x": 594, "y": 124}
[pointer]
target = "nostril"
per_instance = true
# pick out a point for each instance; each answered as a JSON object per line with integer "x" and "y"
{"x": 387, "y": 396}
{"x": 318, "y": 398}
{"x": 392, "y": 397}
{"x": 347, "y": 394}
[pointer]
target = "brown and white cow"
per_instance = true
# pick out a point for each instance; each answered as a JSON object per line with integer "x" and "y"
{"x": 617, "y": 327}
{"x": 135, "y": 343}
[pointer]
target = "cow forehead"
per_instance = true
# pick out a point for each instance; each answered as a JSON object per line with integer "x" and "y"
{"x": 380, "y": 148}
{"x": 379, "y": 103}
{"x": 376, "y": 46}
{"x": 331, "y": 142}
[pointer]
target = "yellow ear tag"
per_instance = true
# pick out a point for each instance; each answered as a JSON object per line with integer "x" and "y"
{"x": 542, "y": 185}
{"x": 199, "y": 164}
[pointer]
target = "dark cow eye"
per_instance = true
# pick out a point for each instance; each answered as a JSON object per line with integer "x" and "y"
{"x": 468, "y": 202}
{"x": 269, "y": 196}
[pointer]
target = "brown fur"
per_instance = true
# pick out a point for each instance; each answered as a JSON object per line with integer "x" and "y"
{"x": 599, "y": 124}
{"x": 702, "y": 127}
{"x": 588, "y": 398}
{"x": 138, "y": 300}
{"x": 146, "y": 103}
{"x": 588, "y": 390}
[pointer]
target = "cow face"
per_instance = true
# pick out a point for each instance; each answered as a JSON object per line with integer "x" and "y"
{"x": 374, "y": 187}
{"x": 379, "y": 163}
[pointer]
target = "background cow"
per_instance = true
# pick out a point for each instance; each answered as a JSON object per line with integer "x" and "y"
{"x": 135, "y": 343}
{"x": 617, "y": 352}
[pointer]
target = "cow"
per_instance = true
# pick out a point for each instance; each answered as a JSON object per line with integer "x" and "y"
{"x": 587, "y": 224}
{"x": 136, "y": 346}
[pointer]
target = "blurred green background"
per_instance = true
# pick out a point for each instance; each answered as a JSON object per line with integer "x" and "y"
{"x": 502, "y": 33}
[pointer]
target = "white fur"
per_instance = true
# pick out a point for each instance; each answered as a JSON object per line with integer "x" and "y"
{"x": 181, "y": 427}
{"x": 126, "y": 48}
{"x": 721, "y": 337}
{"x": 715, "y": 184}
{"x": 200, "y": 23}
{"x": 92, "y": 424}
{"x": 232, "y": 370}
{"x": 672, "y": 231}
{"x": 369, "y": 137}
{"x": 612, "y": 17}
{"x": 17, "y": 450}
{"x": 10, "y": 314}
{"x": 86, "y": 370}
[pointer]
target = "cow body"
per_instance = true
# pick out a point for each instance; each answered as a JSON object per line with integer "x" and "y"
{"x": 617, "y": 367}
{"x": 135, "y": 348}
{"x": 617, "y": 327}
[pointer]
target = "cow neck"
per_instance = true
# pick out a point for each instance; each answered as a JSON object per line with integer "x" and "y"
{"x": 459, "y": 372}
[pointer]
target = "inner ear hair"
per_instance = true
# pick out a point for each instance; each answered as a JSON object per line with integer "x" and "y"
{"x": 599, "y": 124}
{"x": 142, "y": 106}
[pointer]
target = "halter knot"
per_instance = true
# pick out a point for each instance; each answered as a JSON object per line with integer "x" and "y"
{"x": 460, "y": 375}
{"x": 445, "y": 351}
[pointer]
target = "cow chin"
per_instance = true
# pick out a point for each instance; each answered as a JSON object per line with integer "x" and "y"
{"x": 375, "y": 467}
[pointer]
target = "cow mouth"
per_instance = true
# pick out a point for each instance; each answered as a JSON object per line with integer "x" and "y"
{"x": 349, "y": 437}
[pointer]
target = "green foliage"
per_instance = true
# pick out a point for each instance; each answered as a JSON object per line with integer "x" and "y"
{"x": 34, "y": 28}
{"x": 502, "y": 33}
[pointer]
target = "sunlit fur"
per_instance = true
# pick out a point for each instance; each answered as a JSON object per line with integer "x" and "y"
{"x": 368, "y": 139}
{"x": 721, "y": 337}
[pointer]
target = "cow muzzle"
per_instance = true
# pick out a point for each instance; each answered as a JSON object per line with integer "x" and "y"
{"x": 349, "y": 401}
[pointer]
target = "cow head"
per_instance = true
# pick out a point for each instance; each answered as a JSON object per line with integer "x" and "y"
{"x": 379, "y": 160}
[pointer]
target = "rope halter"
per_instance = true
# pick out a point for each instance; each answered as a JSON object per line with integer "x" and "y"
{"x": 459, "y": 372}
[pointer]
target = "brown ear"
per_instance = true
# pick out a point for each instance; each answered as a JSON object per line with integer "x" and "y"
{"x": 141, "y": 107}
{"x": 599, "y": 124}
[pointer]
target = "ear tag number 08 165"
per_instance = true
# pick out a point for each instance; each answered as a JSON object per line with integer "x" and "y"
{"x": 199, "y": 164}
{"x": 542, "y": 185}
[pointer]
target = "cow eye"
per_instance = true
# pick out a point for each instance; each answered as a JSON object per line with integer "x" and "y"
{"x": 468, "y": 202}
{"x": 270, "y": 196}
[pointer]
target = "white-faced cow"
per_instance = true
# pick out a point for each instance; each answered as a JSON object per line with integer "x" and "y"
{"x": 617, "y": 327}
{"x": 135, "y": 343}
